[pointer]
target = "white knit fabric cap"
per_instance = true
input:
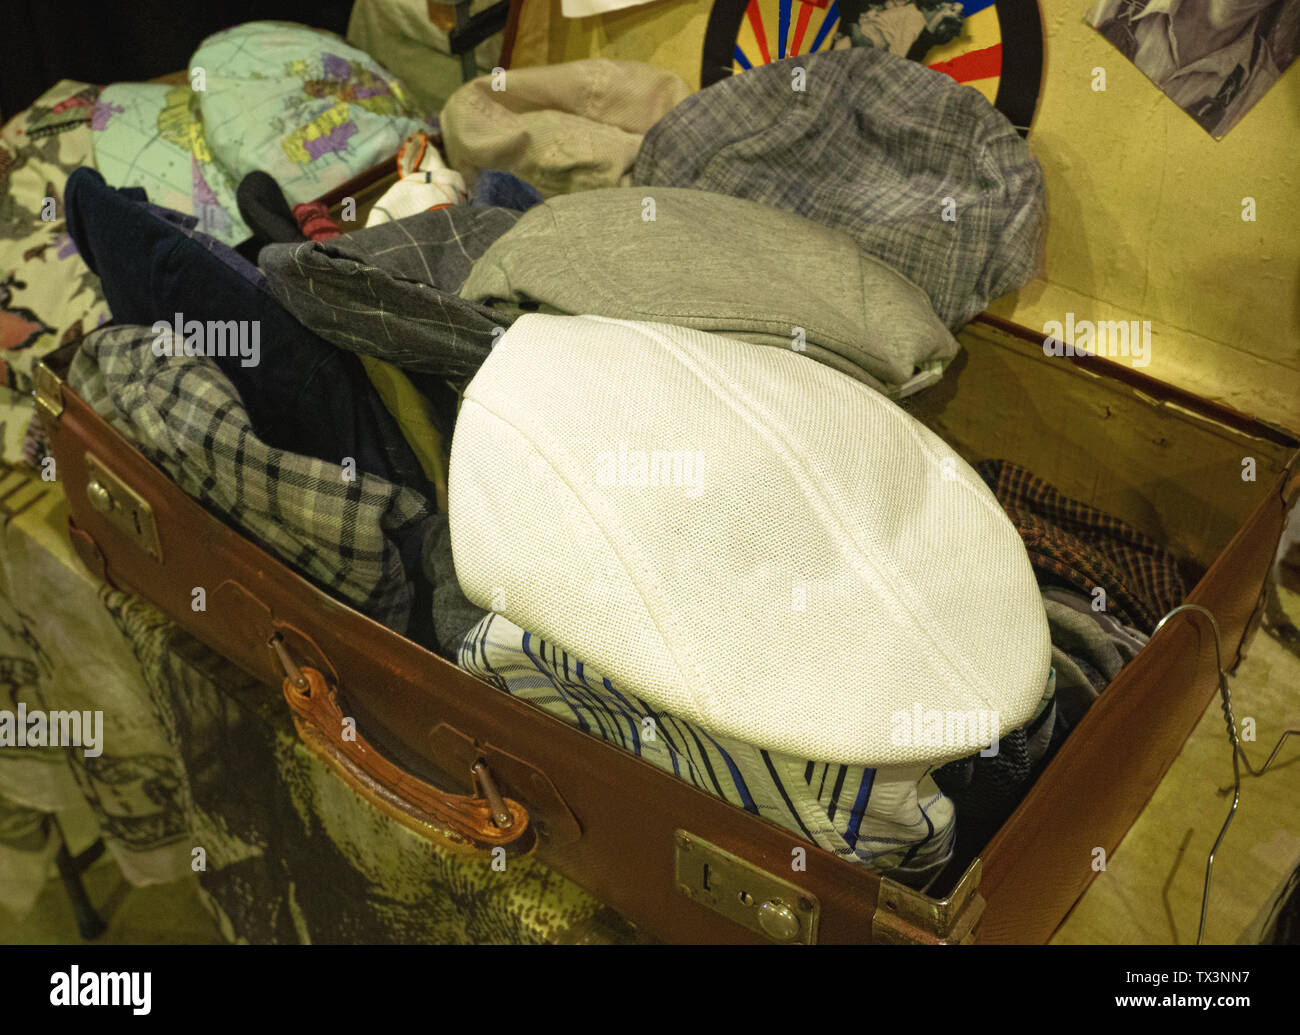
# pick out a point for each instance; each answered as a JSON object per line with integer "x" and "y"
{"x": 745, "y": 538}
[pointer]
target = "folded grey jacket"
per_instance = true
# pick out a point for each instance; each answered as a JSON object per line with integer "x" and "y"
{"x": 720, "y": 264}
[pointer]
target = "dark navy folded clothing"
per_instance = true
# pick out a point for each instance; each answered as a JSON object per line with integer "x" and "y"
{"x": 302, "y": 394}
{"x": 986, "y": 789}
{"x": 263, "y": 206}
{"x": 497, "y": 189}
{"x": 186, "y": 224}
{"x": 453, "y": 614}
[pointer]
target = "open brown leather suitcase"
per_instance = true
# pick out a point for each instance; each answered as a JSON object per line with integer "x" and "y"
{"x": 477, "y": 769}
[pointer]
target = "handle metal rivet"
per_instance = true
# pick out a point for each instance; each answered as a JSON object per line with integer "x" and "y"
{"x": 296, "y": 678}
{"x": 500, "y": 814}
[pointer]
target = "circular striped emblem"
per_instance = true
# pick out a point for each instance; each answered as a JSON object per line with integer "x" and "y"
{"x": 996, "y": 46}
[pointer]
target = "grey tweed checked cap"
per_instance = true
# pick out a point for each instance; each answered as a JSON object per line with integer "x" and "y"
{"x": 925, "y": 174}
{"x": 725, "y": 265}
{"x": 389, "y": 291}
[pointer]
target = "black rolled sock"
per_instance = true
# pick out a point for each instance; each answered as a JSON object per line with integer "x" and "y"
{"x": 264, "y": 208}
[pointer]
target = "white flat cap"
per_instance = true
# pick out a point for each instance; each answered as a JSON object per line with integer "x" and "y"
{"x": 746, "y": 538}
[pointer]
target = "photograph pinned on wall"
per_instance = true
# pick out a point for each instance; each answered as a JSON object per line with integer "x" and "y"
{"x": 1213, "y": 58}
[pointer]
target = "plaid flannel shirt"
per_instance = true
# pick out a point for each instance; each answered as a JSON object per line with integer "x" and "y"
{"x": 1086, "y": 548}
{"x": 348, "y": 536}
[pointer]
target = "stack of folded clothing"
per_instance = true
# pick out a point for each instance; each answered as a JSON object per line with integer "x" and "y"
{"x": 726, "y": 556}
{"x": 600, "y": 402}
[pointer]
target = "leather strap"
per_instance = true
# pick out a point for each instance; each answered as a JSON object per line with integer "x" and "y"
{"x": 461, "y": 822}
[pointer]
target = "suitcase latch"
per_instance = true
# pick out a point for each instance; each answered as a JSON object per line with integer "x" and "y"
{"x": 745, "y": 893}
{"x": 123, "y": 507}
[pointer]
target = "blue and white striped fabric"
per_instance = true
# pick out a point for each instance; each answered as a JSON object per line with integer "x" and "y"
{"x": 894, "y": 820}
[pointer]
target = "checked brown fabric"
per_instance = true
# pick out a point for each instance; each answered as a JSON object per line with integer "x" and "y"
{"x": 1071, "y": 542}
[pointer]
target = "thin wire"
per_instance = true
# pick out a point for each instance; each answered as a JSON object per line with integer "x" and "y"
{"x": 1238, "y": 752}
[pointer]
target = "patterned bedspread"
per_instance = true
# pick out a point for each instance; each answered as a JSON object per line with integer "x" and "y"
{"x": 198, "y": 767}
{"x": 200, "y": 764}
{"x": 47, "y": 294}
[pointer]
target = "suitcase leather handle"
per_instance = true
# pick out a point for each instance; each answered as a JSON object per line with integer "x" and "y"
{"x": 460, "y": 822}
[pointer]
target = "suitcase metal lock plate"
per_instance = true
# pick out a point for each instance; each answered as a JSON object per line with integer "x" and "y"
{"x": 743, "y": 892}
{"x": 123, "y": 507}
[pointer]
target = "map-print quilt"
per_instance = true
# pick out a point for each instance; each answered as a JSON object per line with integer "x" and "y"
{"x": 297, "y": 103}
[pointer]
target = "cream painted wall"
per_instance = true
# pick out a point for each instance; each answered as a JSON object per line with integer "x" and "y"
{"x": 1146, "y": 223}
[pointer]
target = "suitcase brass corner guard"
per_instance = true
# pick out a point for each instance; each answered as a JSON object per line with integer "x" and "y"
{"x": 48, "y": 391}
{"x": 743, "y": 892}
{"x": 906, "y": 916}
